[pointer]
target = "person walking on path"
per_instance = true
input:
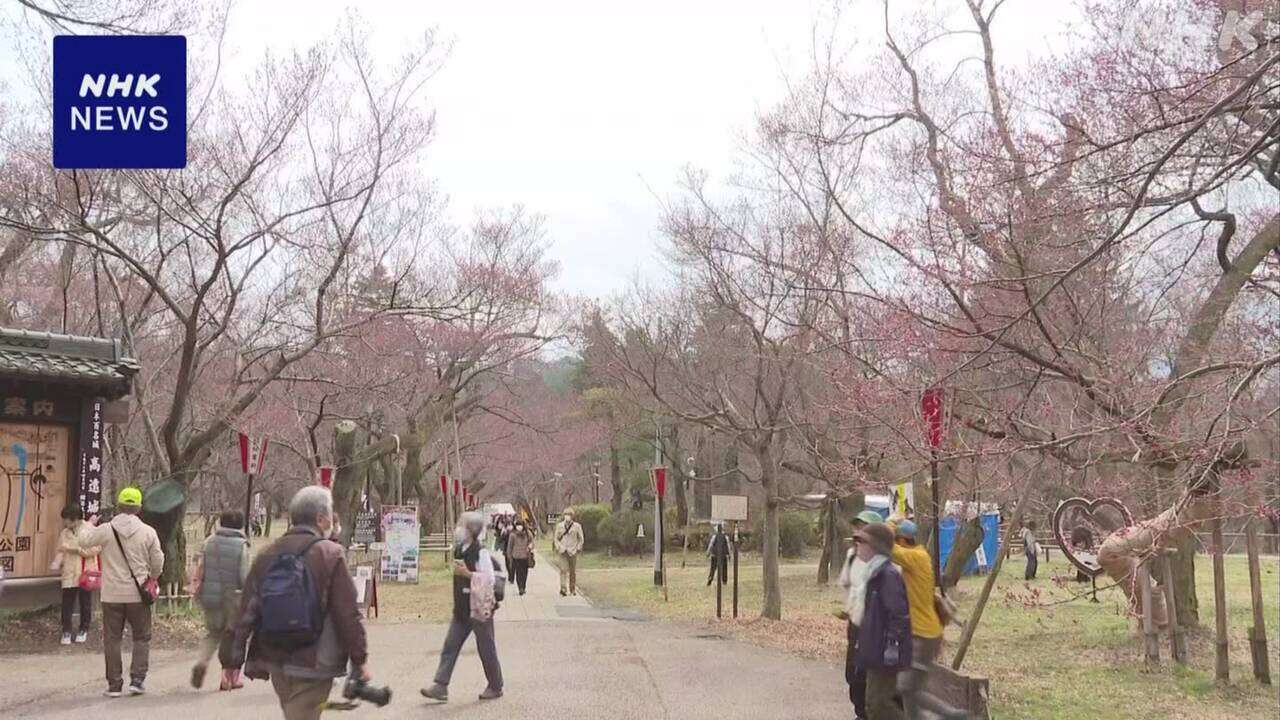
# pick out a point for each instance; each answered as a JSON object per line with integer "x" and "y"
{"x": 474, "y": 567}
{"x": 884, "y": 638}
{"x": 132, "y": 563}
{"x": 1030, "y": 549}
{"x": 301, "y": 579}
{"x": 926, "y": 626}
{"x": 519, "y": 553}
{"x": 718, "y": 550}
{"x": 74, "y": 562}
{"x": 568, "y": 543}
{"x": 853, "y": 578}
{"x": 218, "y": 579}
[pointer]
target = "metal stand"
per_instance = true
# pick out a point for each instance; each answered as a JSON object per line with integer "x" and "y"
{"x": 735, "y": 570}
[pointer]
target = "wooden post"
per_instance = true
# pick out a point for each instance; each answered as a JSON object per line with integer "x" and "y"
{"x": 1177, "y": 639}
{"x": 1222, "y": 662}
{"x": 1257, "y": 633}
{"x": 1148, "y": 622}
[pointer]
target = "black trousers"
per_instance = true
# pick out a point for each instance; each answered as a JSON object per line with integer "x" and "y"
{"x": 719, "y": 565}
{"x": 855, "y": 676}
{"x": 1033, "y": 562}
{"x": 70, "y": 598}
{"x": 520, "y": 572}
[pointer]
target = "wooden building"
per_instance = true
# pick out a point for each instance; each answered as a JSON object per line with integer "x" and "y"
{"x": 57, "y": 393}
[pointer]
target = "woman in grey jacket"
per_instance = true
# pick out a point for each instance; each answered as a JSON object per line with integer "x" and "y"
{"x": 218, "y": 580}
{"x": 519, "y": 552}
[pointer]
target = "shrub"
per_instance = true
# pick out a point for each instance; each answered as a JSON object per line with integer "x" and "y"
{"x": 589, "y": 516}
{"x": 619, "y": 531}
{"x": 795, "y": 530}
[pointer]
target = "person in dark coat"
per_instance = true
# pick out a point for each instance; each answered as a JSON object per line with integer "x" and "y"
{"x": 719, "y": 550}
{"x": 884, "y": 637}
{"x": 470, "y": 558}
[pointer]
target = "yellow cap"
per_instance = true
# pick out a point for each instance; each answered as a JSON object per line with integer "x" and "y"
{"x": 130, "y": 496}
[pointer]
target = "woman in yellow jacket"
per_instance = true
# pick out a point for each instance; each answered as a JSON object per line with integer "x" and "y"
{"x": 926, "y": 626}
{"x": 73, "y": 561}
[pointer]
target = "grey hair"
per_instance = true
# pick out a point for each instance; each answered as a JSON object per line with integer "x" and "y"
{"x": 308, "y": 504}
{"x": 472, "y": 522}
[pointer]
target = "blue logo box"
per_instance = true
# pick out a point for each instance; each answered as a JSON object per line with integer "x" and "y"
{"x": 119, "y": 101}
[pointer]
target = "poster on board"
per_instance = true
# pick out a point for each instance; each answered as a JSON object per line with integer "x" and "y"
{"x": 903, "y": 499}
{"x": 367, "y": 527}
{"x": 34, "y": 465}
{"x": 400, "y": 543}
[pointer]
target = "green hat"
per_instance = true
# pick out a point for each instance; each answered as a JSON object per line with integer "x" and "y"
{"x": 869, "y": 517}
{"x": 130, "y": 496}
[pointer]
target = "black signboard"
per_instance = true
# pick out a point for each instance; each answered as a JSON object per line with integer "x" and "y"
{"x": 368, "y": 527}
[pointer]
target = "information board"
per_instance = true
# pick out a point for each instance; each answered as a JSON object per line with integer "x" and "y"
{"x": 400, "y": 543}
{"x": 368, "y": 527}
{"x": 729, "y": 507}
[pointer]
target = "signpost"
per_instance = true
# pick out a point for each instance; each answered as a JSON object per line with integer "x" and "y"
{"x": 931, "y": 409}
{"x": 367, "y": 528}
{"x": 731, "y": 508}
{"x": 659, "y": 491}
{"x": 253, "y": 451}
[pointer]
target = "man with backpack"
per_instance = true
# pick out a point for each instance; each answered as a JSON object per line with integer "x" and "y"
{"x": 478, "y": 586}
{"x": 132, "y": 560}
{"x": 299, "y": 614}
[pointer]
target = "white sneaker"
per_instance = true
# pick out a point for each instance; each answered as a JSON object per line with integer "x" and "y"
{"x": 112, "y": 693}
{"x": 82, "y": 636}
{"x": 66, "y": 639}
{"x": 135, "y": 688}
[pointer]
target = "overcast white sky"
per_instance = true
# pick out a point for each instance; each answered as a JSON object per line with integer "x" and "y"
{"x": 587, "y": 111}
{"x": 581, "y": 111}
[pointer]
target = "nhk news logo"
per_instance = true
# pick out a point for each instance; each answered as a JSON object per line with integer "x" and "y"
{"x": 119, "y": 101}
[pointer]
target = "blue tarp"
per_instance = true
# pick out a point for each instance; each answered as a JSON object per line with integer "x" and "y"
{"x": 990, "y": 541}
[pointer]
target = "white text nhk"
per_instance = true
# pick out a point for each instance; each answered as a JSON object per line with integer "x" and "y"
{"x": 111, "y": 117}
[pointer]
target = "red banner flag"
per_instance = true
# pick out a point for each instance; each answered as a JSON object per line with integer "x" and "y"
{"x": 931, "y": 408}
{"x": 444, "y": 485}
{"x": 456, "y": 487}
{"x": 326, "y": 476}
{"x": 660, "y": 481}
{"x": 252, "y": 454}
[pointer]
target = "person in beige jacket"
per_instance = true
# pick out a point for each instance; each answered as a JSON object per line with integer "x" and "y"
{"x": 131, "y": 557}
{"x": 568, "y": 543}
{"x": 73, "y": 559}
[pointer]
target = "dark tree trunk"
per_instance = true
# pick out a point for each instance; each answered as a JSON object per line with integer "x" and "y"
{"x": 349, "y": 477}
{"x": 615, "y": 479}
{"x": 1183, "y": 565}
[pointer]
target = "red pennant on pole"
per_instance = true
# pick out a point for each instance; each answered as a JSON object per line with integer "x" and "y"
{"x": 660, "y": 481}
{"x": 252, "y": 454}
{"x": 326, "y": 476}
{"x": 931, "y": 409}
{"x": 456, "y": 487}
{"x": 444, "y": 485}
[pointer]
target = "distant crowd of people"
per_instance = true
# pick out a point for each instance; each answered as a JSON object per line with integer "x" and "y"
{"x": 290, "y": 615}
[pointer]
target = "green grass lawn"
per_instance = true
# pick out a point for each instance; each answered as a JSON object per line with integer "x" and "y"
{"x": 1046, "y": 661}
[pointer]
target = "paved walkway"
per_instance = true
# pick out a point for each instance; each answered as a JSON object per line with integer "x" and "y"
{"x": 562, "y": 659}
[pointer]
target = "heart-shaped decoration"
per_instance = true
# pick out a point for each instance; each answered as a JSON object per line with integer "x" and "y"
{"x": 1080, "y": 525}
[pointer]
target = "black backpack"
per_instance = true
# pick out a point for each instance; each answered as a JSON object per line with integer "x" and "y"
{"x": 290, "y": 615}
